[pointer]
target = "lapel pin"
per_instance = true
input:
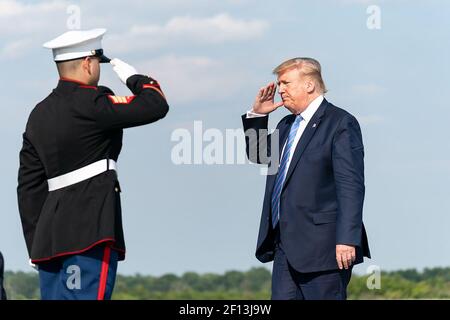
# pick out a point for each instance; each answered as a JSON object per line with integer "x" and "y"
{"x": 314, "y": 125}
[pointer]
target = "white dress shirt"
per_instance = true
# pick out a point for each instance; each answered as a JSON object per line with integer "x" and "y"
{"x": 307, "y": 114}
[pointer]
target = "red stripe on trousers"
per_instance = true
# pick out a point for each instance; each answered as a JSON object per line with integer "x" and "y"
{"x": 104, "y": 273}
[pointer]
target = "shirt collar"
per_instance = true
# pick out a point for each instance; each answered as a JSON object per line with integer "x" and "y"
{"x": 308, "y": 113}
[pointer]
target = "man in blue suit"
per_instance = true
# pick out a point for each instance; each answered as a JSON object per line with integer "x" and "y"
{"x": 311, "y": 224}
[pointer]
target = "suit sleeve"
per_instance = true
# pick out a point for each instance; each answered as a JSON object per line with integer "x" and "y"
{"x": 32, "y": 190}
{"x": 147, "y": 105}
{"x": 257, "y": 139}
{"x": 348, "y": 168}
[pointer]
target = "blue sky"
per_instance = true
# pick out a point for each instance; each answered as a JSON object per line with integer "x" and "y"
{"x": 210, "y": 58}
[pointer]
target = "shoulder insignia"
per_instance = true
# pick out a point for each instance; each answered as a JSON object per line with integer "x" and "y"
{"x": 121, "y": 99}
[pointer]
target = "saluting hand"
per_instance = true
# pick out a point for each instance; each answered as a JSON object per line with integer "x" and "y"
{"x": 264, "y": 103}
{"x": 345, "y": 255}
{"x": 123, "y": 70}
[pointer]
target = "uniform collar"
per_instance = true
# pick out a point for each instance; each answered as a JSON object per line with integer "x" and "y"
{"x": 67, "y": 83}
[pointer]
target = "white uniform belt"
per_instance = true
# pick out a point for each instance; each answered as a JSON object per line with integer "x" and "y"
{"x": 81, "y": 174}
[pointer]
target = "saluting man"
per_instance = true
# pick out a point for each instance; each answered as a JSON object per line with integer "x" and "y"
{"x": 68, "y": 191}
{"x": 2, "y": 290}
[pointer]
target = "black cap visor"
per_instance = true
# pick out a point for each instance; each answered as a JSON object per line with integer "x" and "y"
{"x": 99, "y": 54}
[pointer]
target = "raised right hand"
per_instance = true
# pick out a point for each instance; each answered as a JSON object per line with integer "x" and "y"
{"x": 123, "y": 70}
{"x": 264, "y": 103}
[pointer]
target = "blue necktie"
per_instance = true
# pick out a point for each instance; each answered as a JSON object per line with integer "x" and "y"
{"x": 282, "y": 170}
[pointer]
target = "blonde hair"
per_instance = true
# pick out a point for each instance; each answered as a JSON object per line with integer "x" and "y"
{"x": 307, "y": 67}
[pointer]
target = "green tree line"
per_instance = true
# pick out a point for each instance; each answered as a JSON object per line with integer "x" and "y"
{"x": 253, "y": 284}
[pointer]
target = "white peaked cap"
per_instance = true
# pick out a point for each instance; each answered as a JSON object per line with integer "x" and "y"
{"x": 77, "y": 44}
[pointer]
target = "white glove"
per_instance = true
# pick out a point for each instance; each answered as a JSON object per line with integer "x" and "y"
{"x": 35, "y": 267}
{"x": 123, "y": 70}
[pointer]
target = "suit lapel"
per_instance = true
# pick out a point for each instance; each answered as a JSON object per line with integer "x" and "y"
{"x": 313, "y": 124}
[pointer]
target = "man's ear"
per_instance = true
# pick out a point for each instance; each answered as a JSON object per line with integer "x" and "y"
{"x": 86, "y": 65}
{"x": 310, "y": 85}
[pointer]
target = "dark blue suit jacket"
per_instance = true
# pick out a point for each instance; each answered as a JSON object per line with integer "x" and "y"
{"x": 322, "y": 199}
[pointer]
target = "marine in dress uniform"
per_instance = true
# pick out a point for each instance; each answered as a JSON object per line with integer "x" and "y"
{"x": 2, "y": 290}
{"x": 68, "y": 188}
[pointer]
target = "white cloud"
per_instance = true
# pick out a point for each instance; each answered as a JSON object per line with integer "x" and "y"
{"x": 187, "y": 79}
{"x": 218, "y": 28}
{"x": 372, "y": 2}
{"x": 10, "y": 8}
{"x": 44, "y": 20}
{"x": 359, "y": 1}
{"x": 18, "y": 18}
{"x": 212, "y": 30}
